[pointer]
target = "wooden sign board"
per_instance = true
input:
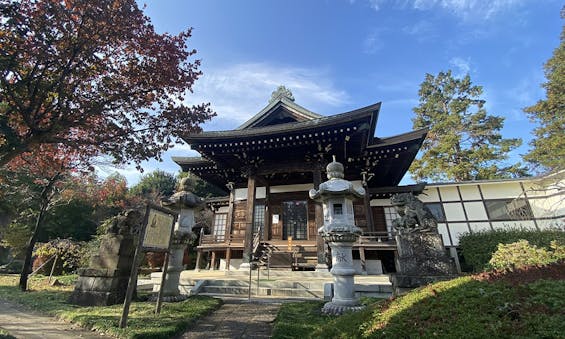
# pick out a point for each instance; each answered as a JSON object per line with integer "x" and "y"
{"x": 155, "y": 235}
{"x": 158, "y": 230}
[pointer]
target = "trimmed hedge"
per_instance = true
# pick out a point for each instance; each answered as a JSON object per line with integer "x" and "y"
{"x": 477, "y": 248}
{"x": 520, "y": 254}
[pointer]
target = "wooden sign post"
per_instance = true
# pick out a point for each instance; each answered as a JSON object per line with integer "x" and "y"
{"x": 155, "y": 236}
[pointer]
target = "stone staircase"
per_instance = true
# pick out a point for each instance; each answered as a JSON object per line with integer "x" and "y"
{"x": 283, "y": 284}
{"x": 303, "y": 258}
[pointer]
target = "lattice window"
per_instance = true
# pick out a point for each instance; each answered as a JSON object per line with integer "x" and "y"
{"x": 437, "y": 211}
{"x": 510, "y": 209}
{"x": 219, "y": 230}
{"x": 390, "y": 215}
{"x": 259, "y": 218}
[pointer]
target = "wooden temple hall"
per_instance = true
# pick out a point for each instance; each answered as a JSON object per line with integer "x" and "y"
{"x": 269, "y": 163}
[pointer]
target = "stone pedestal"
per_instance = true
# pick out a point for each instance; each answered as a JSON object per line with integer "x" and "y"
{"x": 340, "y": 232}
{"x": 171, "y": 290}
{"x": 422, "y": 259}
{"x": 185, "y": 202}
{"x": 344, "y": 299}
{"x": 106, "y": 280}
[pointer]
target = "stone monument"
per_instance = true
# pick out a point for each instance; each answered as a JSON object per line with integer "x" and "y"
{"x": 422, "y": 258}
{"x": 105, "y": 281}
{"x": 340, "y": 232}
{"x": 184, "y": 202}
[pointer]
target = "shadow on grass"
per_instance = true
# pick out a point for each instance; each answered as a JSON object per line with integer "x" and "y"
{"x": 174, "y": 319}
{"x": 459, "y": 308}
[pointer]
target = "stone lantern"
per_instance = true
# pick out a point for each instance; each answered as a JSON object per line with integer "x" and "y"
{"x": 340, "y": 232}
{"x": 185, "y": 203}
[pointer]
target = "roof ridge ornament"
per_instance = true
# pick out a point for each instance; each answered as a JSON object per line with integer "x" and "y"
{"x": 281, "y": 92}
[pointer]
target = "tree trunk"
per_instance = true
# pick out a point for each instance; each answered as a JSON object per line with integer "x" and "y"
{"x": 29, "y": 250}
{"x": 45, "y": 199}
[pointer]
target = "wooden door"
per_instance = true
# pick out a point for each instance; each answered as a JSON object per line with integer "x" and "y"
{"x": 295, "y": 220}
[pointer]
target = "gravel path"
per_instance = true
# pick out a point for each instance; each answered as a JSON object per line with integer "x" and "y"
{"x": 25, "y": 324}
{"x": 236, "y": 320}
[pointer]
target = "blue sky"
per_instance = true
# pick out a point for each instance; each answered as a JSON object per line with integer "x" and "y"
{"x": 339, "y": 55}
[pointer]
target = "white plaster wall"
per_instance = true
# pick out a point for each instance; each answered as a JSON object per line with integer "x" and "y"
{"x": 449, "y": 193}
{"x": 291, "y": 188}
{"x": 429, "y": 195}
{"x": 223, "y": 209}
{"x": 552, "y": 223}
{"x": 479, "y": 226}
{"x": 542, "y": 187}
{"x": 552, "y": 206}
{"x": 475, "y": 210}
{"x": 380, "y": 202}
{"x": 453, "y": 211}
{"x": 234, "y": 264}
{"x": 241, "y": 193}
{"x": 373, "y": 267}
{"x": 260, "y": 192}
{"x": 501, "y": 190}
{"x": 526, "y": 224}
{"x": 470, "y": 192}
{"x": 442, "y": 230}
{"x": 456, "y": 229}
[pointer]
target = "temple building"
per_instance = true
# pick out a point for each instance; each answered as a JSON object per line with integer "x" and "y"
{"x": 270, "y": 162}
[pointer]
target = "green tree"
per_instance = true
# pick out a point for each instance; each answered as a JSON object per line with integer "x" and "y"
{"x": 548, "y": 146}
{"x": 202, "y": 188}
{"x": 155, "y": 185}
{"x": 463, "y": 142}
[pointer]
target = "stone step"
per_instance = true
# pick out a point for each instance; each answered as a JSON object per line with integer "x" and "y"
{"x": 263, "y": 291}
{"x": 281, "y": 273}
{"x": 370, "y": 288}
{"x": 317, "y": 285}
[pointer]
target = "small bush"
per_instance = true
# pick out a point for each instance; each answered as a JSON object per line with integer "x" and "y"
{"x": 520, "y": 254}
{"x": 69, "y": 256}
{"x": 477, "y": 248}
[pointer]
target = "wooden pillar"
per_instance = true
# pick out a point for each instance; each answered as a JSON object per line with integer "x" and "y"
{"x": 231, "y": 206}
{"x": 319, "y": 217}
{"x": 198, "y": 258}
{"x": 249, "y": 218}
{"x": 363, "y": 261}
{"x": 267, "y": 222}
{"x": 213, "y": 261}
{"x": 228, "y": 258}
{"x": 368, "y": 211}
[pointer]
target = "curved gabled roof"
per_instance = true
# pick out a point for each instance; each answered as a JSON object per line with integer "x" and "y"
{"x": 285, "y": 142}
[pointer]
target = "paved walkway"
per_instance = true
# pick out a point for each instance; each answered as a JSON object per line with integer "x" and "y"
{"x": 24, "y": 324}
{"x": 236, "y": 319}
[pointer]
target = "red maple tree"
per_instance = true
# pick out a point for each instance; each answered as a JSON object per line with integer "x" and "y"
{"x": 93, "y": 75}
{"x": 39, "y": 180}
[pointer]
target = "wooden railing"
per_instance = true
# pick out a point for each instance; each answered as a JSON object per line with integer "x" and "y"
{"x": 375, "y": 237}
{"x": 365, "y": 238}
{"x": 206, "y": 239}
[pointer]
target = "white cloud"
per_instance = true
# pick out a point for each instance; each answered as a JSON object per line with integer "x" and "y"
{"x": 373, "y": 43}
{"x": 376, "y": 4}
{"x": 422, "y": 30}
{"x": 465, "y": 9}
{"x": 237, "y": 93}
{"x": 462, "y": 66}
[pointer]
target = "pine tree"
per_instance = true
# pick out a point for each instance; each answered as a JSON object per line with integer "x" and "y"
{"x": 464, "y": 142}
{"x": 548, "y": 146}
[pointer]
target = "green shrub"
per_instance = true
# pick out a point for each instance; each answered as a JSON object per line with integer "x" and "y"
{"x": 69, "y": 256}
{"x": 519, "y": 254}
{"x": 477, "y": 248}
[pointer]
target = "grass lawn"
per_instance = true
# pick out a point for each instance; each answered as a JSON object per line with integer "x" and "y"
{"x": 174, "y": 319}
{"x": 459, "y": 308}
